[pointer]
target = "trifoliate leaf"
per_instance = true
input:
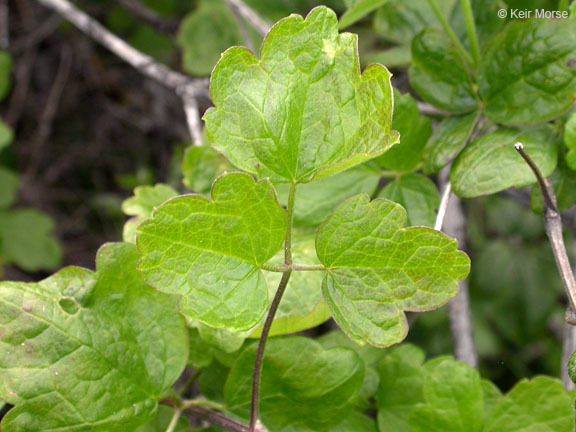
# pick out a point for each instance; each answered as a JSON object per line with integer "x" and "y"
{"x": 376, "y": 269}
{"x": 201, "y": 166}
{"x": 5, "y": 72}
{"x": 491, "y": 164}
{"x": 302, "y": 112}
{"x": 205, "y": 33}
{"x": 447, "y": 141}
{"x": 95, "y": 351}
{"x": 401, "y": 387}
{"x": 146, "y": 199}
{"x": 6, "y": 135}
{"x": 302, "y": 305}
{"x": 27, "y": 240}
{"x": 439, "y": 75}
{"x": 8, "y": 187}
{"x": 210, "y": 251}
{"x": 358, "y": 9}
{"x": 454, "y": 399}
{"x": 570, "y": 141}
{"x": 540, "y": 404}
{"x": 418, "y": 195}
{"x": 315, "y": 201}
{"x": 307, "y": 388}
{"x": 528, "y": 73}
{"x": 414, "y": 132}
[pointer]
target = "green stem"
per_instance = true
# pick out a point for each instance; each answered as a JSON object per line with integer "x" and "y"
{"x": 448, "y": 30}
{"x": 174, "y": 422}
{"x": 563, "y": 5}
{"x": 293, "y": 267}
{"x": 256, "y": 378}
{"x": 202, "y": 403}
{"x": 471, "y": 27}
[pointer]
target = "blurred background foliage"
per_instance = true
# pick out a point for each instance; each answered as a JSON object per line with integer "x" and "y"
{"x": 81, "y": 129}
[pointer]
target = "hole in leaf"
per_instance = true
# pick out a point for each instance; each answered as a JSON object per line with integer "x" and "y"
{"x": 69, "y": 305}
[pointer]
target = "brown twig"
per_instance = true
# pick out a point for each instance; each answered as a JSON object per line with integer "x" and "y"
{"x": 186, "y": 88}
{"x": 217, "y": 419}
{"x": 553, "y": 224}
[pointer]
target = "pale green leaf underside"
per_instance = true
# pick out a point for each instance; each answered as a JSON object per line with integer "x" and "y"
{"x": 376, "y": 269}
{"x": 210, "y": 251}
{"x": 529, "y": 72}
{"x": 305, "y": 388}
{"x": 303, "y": 111}
{"x": 87, "y": 351}
{"x": 491, "y": 164}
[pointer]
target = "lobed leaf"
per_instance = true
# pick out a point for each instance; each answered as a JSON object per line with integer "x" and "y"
{"x": 528, "y": 73}
{"x": 210, "y": 252}
{"x": 376, "y": 269}
{"x": 491, "y": 164}
{"x": 302, "y": 112}
{"x": 88, "y": 351}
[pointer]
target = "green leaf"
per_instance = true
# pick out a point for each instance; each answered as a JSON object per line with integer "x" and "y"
{"x": 528, "y": 73}
{"x": 491, "y": 164}
{"x": 302, "y": 112}
{"x": 8, "y": 187}
{"x": 400, "y": 389}
{"x": 570, "y": 141}
{"x": 414, "y": 132}
{"x": 6, "y": 135}
{"x": 356, "y": 422}
{"x": 454, "y": 400}
{"x": 306, "y": 388}
{"x": 162, "y": 420}
{"x": 418, "y": 195}
{"x": 5, "y": 72}
{"x": 376, "y": 269}
{"x": 100, "y": 366}
{"x": 146, "y": 199}
{"x": 439, "y": 75}
{"x": 447, "y": 140}
{"x": 302, "y": 305}
{"x": 358, "y": 9}
{"x": 400, "y": 21}
{"x": 563, "y": 181}
{"x": 539, "y": 404}
{"x": 210, "y": 251}
{"x": 27, "y": 240}
{"x": 205, "y": 33}
{"x": 315, "y": 201}
{"x": 201, "y": 166}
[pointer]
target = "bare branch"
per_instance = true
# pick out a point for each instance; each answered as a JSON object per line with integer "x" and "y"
{"x": 443, "y": 206}
{"x": 553, "y": 223}
{"x": 184, "y": 86}
{"x": 148, "y": 16}
{"x": 251, "y": 17}
{"x": 431, "y": 110}
{"x": 217, "y": 419}
{"x": 459, "y": 307}
{"x": 193, "y": 119}
{"x": 243, "y": 28}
